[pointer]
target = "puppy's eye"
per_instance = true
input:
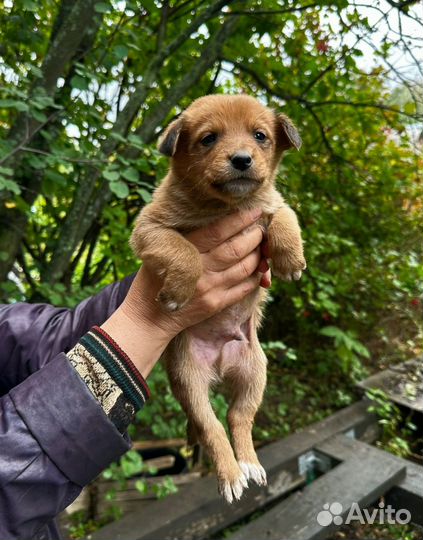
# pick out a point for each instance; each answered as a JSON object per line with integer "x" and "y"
{"x": 209, "y": 139}
{"x": 259, "y": 136}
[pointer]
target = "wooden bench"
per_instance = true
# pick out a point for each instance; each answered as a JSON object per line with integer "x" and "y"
{"x": 335, "y": 448}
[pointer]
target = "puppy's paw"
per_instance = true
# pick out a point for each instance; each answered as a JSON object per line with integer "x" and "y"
{"x": 232, "y": 489}
{"x": 255, "y": 472}
{"x": 288, "y": 266}
{"x": 174, "y": 299}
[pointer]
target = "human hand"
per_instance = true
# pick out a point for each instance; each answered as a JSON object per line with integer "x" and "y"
{"x": 233, "y": 266}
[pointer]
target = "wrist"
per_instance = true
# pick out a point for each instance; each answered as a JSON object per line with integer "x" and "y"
{"x": 138, "y": 337}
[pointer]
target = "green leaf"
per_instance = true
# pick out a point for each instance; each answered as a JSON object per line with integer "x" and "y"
{"x": 79, "y": 83}
{"x": 331, "y": 331}
{"x": 410, "y": 108}
{"x": 102, "y": 7}
{"x": 9, "y": 185}
{"x": 6, "y": 170}
{"x": 112, "y": 176}
{"x": 37, "y": 162}
{"x": 144, "y": 165}
{"x": 118, "y": 137}
{"x": 39, "y": 116}
{"x": 361, "y": 349}
{"x": 13, "y": 104}
{"x": 107, "y": 474}
{"x": 29, "y": 5}
{"x": 130, "y": 174}
{"x": 35, "y": 70}
{"x": 121, "y": 51}
{"x": 136, "y": 141}
{"x": 120, "y": 189}
{"x": 146, "y": 195}
{"x": 141, "y": 486}
{"x": 110, "y": 494}
{"x": 55, "y": 177}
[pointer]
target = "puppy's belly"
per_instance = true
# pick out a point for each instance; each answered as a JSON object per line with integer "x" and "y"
{"x": 219, "y": 343}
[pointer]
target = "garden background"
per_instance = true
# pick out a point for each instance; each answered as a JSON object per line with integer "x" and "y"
{"x": 86, "y": 88}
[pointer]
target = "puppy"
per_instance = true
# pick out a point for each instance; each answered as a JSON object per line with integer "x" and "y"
{"x": 225, "y": 153}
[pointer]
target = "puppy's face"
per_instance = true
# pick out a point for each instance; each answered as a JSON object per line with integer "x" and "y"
{"x": 227, "y": 147}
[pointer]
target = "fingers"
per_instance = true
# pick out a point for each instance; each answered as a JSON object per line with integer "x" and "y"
{"x": 208, "y": 238}
{"x": 241, "y": 290}
{"x": 234, "y": 249}
{"x": 234, "y": 275}
{"x": 266, "y": 280}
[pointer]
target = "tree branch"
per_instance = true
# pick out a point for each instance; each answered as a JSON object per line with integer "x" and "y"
{"x": 369, "y": 105}
{"x": 272, "y": 11}
{"x": 260, "y": 81}
{"x": 88, "y": 201}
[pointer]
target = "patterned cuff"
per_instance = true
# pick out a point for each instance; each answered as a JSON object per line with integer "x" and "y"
{"x": 110, "y": 376}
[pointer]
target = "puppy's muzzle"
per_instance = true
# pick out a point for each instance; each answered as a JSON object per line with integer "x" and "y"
{"x": 237, "y": 187}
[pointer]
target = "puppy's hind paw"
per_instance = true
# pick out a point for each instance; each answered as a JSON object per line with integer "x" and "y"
{"x": 232, "y": 490}
{"x": 254, "y": 472}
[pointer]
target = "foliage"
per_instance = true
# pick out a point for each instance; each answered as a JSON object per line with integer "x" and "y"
{"x": 348, "y": 350}
{"x": 86, "y": 88}
{"x": 396, "y": 431}
{"x": 80, "y": 526}
{"x": 129, "y": 466}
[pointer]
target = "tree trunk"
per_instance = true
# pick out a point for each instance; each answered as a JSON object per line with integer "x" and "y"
{"x": 90, "y": 200}
{"x": 73, "y": 23}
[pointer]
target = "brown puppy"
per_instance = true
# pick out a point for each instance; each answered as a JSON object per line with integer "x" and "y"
{"x": 225, "y": 152}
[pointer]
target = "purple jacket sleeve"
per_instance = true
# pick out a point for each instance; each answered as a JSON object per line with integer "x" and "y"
{"x": 54, "y": 436}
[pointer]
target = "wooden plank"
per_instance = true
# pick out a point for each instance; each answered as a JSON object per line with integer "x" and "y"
{"x": 159, "y": 443}
{"x": 407, "y": 494}
{"x": 351, "y": 482}
{"x": 197, "y": 510}
{"x": 403, "y": 384}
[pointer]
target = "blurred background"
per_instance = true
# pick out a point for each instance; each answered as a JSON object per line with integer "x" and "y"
{"x": 86, "y": 88}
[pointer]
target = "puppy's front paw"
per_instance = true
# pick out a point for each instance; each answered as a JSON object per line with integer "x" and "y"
{"x": 174, "y": 297}
{"x": 231, "y": 489}
{"x": 288, "y": 266}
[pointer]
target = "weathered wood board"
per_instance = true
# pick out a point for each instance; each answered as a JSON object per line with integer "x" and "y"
{"x": 197, "y": 511}
{"x": 402, "y": 383}
{"x": 406, "y": 494}
{"x": 354, "y": 481}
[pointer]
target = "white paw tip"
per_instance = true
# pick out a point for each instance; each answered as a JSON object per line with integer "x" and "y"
{"x": 237, "y": 489}
{"x": 245, "y": 469}
{"x": 233, "y": 491}
{"x": 227, "y": 493}
{"x": 254, "y": 472}
{"x": 171, "y": 306}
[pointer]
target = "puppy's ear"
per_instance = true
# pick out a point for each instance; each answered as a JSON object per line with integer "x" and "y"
{"x": 169, "y": 140}
{"x": 288, "y": 135}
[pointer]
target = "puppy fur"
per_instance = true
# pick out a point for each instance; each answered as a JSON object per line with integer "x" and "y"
{"x": 225, "y": 153}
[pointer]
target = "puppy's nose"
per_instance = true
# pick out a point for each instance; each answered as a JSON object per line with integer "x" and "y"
{"x": 241, "y": 161}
